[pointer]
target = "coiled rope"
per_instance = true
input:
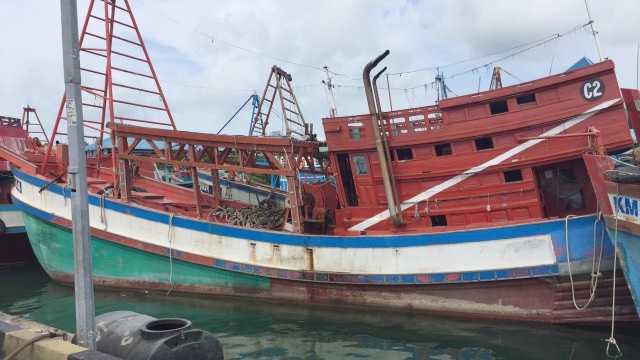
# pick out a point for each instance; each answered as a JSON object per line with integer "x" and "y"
{"x": 249, "y": 216}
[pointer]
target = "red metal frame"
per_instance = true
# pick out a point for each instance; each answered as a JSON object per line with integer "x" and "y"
{"x": 91, "y": 54}
{"x": 285, "y": 156}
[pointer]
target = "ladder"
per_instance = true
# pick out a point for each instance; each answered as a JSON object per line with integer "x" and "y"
{"x": 279, "y": 86}
{"x": 28, "y": 125}
{"x": 119, "y": 83}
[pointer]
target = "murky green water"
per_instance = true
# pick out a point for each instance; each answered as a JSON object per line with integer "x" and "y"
{"x": 252, "y": 330}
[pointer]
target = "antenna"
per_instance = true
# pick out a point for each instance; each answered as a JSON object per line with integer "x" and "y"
{"x": 333, "y": 112}
{"x": 593, "y": 30}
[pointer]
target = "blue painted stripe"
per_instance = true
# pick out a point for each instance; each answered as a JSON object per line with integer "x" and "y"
{"x": 16, "y": 230}
{"x": 553, "y": 227}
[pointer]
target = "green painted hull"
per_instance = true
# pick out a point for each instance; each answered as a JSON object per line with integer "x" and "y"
{"x": 118, "y": 265}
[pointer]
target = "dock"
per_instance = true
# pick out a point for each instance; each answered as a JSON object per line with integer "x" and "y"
{"x": 22, "y": 339}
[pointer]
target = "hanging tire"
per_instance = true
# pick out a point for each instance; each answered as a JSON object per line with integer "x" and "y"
{"x": 3, "y": 227}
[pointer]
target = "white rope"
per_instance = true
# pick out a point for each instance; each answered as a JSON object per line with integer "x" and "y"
{"x": 170, "y": 253}
{"x": 595, "y": 272}
{"x": 611, "y": 340}
{"x": 64, "y": 194}
{"x": 103, "y": 214}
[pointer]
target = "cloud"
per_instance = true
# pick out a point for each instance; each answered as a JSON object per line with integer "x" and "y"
{"x": 210, "y": 56}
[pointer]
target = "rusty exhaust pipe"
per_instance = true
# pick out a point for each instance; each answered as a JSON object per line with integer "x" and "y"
{"x": 398, "y": 221}
{"x": 375, "y": 122}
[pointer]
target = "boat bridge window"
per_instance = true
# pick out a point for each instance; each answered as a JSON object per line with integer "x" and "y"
{"x": 512, "y": 176}
{"x": 356, "y": 130}
{"x": 405, "y": 154}
{"x": 438, "y": 220}
{"x": 443, "y": 149}
{"x": 499, "y": 107}
{"x": 525, "y": 99}
{"x": 360, "y": 164}
{"x": 484, "y": 144}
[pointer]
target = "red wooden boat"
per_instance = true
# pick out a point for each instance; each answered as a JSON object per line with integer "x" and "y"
{"x": 476, "y": 207}
{"x": 15, "y": 249}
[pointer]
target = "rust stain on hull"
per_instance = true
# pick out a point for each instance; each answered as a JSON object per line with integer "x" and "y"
{"x": 532, "y": 300}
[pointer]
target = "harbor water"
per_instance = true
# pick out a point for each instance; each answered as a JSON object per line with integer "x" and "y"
{"x": 255, "y": 330}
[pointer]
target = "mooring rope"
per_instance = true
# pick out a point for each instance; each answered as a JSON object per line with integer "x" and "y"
{"x": 612, "y": 340}
{"x": 64, "y": 194}
{"x": 170, "y": 253}
{"x": 103, "y": 213}
{"x": 595, "y": 272}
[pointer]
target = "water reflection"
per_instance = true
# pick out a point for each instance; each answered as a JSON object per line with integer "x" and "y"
{"x": 257, "y": 330}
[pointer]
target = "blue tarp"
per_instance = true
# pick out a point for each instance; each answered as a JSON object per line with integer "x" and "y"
{"x": 581, "y": 63}
{"x": 143, "y": 146}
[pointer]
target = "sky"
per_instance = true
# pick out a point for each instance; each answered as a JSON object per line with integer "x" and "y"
{"x": 210, "y": 56}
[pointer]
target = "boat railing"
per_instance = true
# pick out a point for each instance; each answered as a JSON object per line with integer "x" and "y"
{"x": 396, "y": 124}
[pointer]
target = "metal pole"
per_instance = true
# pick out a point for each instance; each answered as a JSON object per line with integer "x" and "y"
{"x": 593, "y": 30}
{"x": 77, "y": 178}
{"x": 333, "y": 112}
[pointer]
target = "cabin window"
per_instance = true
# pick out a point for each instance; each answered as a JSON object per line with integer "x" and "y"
{"x": 438, "y": 220}
{"x": 526, "y": 99}
{"x": 512, "y": 176}
{"x": 484, "y": 144}
{"x": 498, "y": 107}
{"x": 360, "y": 164}
{"x": 405, "y": 154}
{"x": 356, "y": 130}
{"x": 443, "y": 150}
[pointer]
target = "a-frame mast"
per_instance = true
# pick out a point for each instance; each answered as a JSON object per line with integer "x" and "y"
{"x": 279, "y": 86}
{"x": 112, "y": 57}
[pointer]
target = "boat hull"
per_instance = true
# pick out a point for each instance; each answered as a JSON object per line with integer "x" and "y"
{"x": 153, "y": 251}
{"x": 15, "y": 249}
{"x": 628, "y": 247}
{"x": 12, "y": 222}
{"x": 619, "y": 203}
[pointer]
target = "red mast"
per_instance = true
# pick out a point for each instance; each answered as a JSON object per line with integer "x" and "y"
{"x": 118, "y": 79}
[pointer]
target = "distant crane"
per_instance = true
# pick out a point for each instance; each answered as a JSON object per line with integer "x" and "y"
{"x": 255, "y": 102}
{"x": 441, "y": 87}
{"x": 496, "y": 80}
